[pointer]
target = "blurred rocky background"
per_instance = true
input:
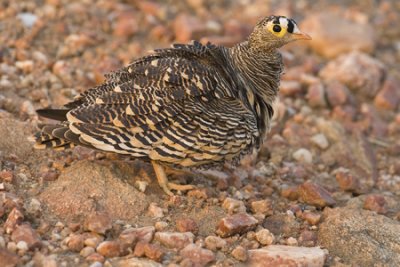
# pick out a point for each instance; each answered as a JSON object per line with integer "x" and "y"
{"x": 324, "y": 189}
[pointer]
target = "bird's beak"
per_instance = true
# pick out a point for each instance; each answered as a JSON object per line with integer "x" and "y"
{"x": 301, "y": 36}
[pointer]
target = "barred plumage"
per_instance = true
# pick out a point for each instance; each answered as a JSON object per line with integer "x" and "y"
{"x": 189, "y": 105}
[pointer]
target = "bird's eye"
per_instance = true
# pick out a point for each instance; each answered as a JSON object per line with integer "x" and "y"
{"x": 277, "y": 28}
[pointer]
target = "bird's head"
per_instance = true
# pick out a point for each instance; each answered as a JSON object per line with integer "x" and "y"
{"x": 275, "y": 31}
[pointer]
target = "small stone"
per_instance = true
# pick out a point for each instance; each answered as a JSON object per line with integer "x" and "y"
{"x": 197, "y": 255}
{"x": 6, "y": 176}
{"x": 316, "y": 195}
{"x": 279, "y": 255}
{"x": 187, "y": 225}
{"x": 14, "y": 218}
{"x": 96, "y": 264}
{"x": 282, "y": 224}
{"x": 76, "y": 242}
{"x": 151, "y": 251}
{"x": 98, "y": 223}
{"x": 337, "y": 93}
{"x": 145, "y": 234}
{"x": 320, "y": 140}
{"x": 291, "y": 193}
{"x": 376, "y": 203}
{"x": 303, "y": 155}
{"x": 126, "y": 24}
{"x": 233, "y": 206}
{"x": 155, "y": 211}
{"x": 134, "y": 261}
{"x": 316, "y": 95}
{"x": 22, "y": 246}
{"x": 128, "y": 238}
{"x": 311, "y": 217}
{"x": 347, "y": 181}
{"x": 7, "y": 258}
{"x": 95, "y": 257}
{"x": 24, "y": 232}
{"x": 262, "y": 207}
{"x": 174, "y": 239}
{"x": 34, "y": 207}
{"x": 141, "y": 185}
{"x": 358, "y": 71}
{"x": 290, "y": 88}
{"x": 308, "y": 238}
{"x": 27, "y": 18}
{"x": 26, "y": 66}
{"x": 291, "y": 241}
{"x": 214, "y": 242}
{"x": 12, "y": 246}
{"x": 239, "y": 253}
{"x": 160, "y": 226}
{"x": 93, "y": 240}
{"x": 265, "y": 237}
{"x": 389, "y": 96}
{"x": 109, "y": 249}
{"x": 236, "y": 224}
{"x": 86, "y": 251}
{"x": 139, "y": 249}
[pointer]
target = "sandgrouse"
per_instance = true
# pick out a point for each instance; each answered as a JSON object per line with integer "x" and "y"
{"x": 190, "y": 105}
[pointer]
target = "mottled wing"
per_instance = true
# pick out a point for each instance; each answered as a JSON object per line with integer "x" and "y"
{"x": 174, "y": 106}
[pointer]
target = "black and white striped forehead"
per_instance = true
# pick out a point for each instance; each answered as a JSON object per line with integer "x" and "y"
{"x": 285, "y": 22}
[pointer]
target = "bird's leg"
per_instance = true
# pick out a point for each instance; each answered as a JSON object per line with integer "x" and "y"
{"x": 163, "y": 181}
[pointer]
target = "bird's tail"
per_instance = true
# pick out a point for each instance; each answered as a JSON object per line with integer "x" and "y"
{"x": 56, "y": 136}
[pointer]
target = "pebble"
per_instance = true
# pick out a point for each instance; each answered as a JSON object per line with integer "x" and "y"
{"x": 155, "y": 211}
{"x": 262, "y": 207}
{"x": 214, "y": 242}
{"x": 126, "y": 24}
{"x": 98, "y": 223}
{"x": 290, "y": 88}
{"x": 2, "y": 242}
{"x": 236, "y": 224}
{"x": 174, "y": 239}
{"x": 96, "y": 264}
{"x": 280, "y": 255}
{"x": 316, "y": 195}
{"x": 316, "y": 95}
{"x": 239, "y": 253}
{"x": 145, "y": 234}
{"x": 337, "y": 93}
{"x": 265, "y": 237}
{"x": 86, "y": 251}
{"x": 160, "y": 226}
{"x": 187, "y": 225}
{"x": 75, "y": 242}
{"x": 8, "y": 259}
{"x": 320, "y": 140}
{"x": 291, "y": 193}
{"x": 95, "y": 257}
{"x": 308, "y": 238}
{"x": 93, "y": 240}
{"x": 15, "y": 217}
{"x": 291, "y": 241}
{"x": 389, "y": 96}
{"x": 26, "y": 66}
{"x": 303, "y": 155}
{"x": 22, "y": 246}
{"x": 376, "y": 203}
{"x": 6, "y": 176}
{"x": 311, "y": 217}
{"x": 128, "y": 238}
{"x": 151, "y": 251}
{"x": 28, "y": 19}
{"x": 109, "y": 249}
{"x": 334, "y": 35}
{"x": 197, "y": 255}
{"x": 359, "y": 72}
{"x": 24, "y": 232}
{"x": 233, "y": 206}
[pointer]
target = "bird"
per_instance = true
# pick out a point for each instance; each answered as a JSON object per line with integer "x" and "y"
{"x": 191, "y": 105}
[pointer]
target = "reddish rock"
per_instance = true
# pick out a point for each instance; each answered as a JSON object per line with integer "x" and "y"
{"x": 14, "y": 218}
{"x": 151, "y": 251}
{"x": 376, "y": 203}
{"x": 336, "y": 93}
{"x": 265, "y": 237}
{"x": 187, "y": 225}
{"x": 174, "y": 239}
{"x": 7, "y": 258}
{"x": 308, "y": 238}
{"x": 128, "y": 238}
{"x": 358, "y": 71}
{"x": 236, "y": 224}
{"x": 316, "y": 195}
{"x": 98, "y": 223}
{"x": 389, "y": 96}
{"x": 197, "y": 255}
{"x": 290, "y": 88}
{"x": 155, "y": 211}
{"x": 316, "y": 95}
{"x": 347, "y": 181}
{"x": 145, "y": 234}
{"x": 283, "y": 224}
{"x": 126, "y": 24}
{"x": 187, "y": 27}
{"x": 291, "y": 193}
{"x": 278, "y": 255}
{"x": 333, "y": 34}
{"x": 76, "y": 242}
{"x": 233, "y": 205}
{"x": 109, "y": 249}
{"x": 6, "y": 176}
{"x": 93, "y": 239}
{"x": 24, "y": 232}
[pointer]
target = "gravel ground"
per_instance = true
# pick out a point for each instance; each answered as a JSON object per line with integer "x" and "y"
{"x": 322, "y": 191}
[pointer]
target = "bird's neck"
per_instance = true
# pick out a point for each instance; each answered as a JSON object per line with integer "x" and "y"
{"x": 259, "y": 69}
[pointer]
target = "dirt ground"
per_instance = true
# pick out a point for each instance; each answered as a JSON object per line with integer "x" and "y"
{"x": 324, "y": 189}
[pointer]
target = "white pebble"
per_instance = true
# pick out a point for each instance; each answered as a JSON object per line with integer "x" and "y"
{"x": 28, "y": 19}
{"x": 22, "y": 245}
{"x": 96, "y": 264}
{"x": 320, "y": 140}
{"x": 303, "y": 155}
{"x": 291, "y": 241}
